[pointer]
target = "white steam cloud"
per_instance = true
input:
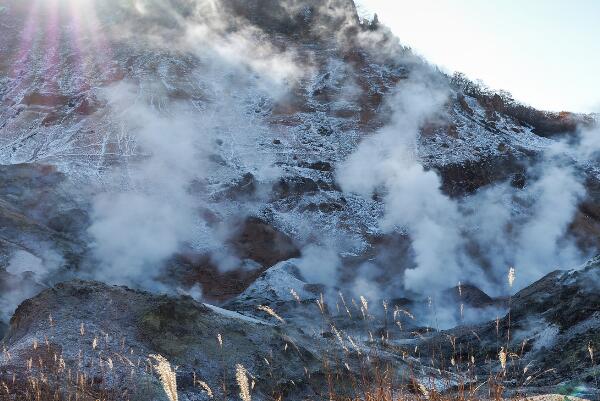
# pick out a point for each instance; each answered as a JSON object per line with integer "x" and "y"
{"x": 23, "y": 274}
{"x": 319, "y": 264}
{"x": 413, "y": 199}
{"x": 444, "y": 231}
{"x": 150, "y": 212}
{"x": 540, "y": 249}
{"x": 137, "y": 229}
{"x": 177, "y": 144}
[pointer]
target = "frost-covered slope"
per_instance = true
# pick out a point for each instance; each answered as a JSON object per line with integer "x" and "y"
{"x": 182, "y": 119}
{"x": 281, "y": 154}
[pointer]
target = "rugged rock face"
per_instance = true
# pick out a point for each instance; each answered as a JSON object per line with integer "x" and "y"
{"x": 549, "y": 329}
{"x": 42, "y": 228}
{"x": 181, "y": 329}
{"x": 36, "y": 202}
{"x": 295, "y": 18}
{"x": 257, "y": 243}
{"x": 285, "y": 355}
{"x": 73, "y": 327}
{"x": 353, "y": 70}
{"x": 272, "y": 96}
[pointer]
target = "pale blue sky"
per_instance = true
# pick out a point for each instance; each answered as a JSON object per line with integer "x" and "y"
{"x": 545, "y": 52}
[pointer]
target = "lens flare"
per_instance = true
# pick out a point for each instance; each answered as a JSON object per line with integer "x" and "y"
{"x": 60, "y": 36}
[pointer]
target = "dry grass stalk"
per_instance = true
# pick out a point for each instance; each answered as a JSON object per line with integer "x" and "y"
{"x": 271, "y": 312}
{"x": 345, "y": 306}
{"x": 502, "y": 358}
{"x": 241, "y": 377}
{"x": 204, "y": 386}
{"x": 511, "y": 276}
{"x": 167, "y": 376}
{"x": 397, "y": 311}
{"x": 364, "y": 303}
{"x": 353, "y": 344}
{"x": 321, "y": 305}
{"x": 339, "y": 337}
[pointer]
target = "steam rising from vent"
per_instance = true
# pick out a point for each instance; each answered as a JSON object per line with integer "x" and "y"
{"x": 413, "y": 198}
{"x": 214, "y": 93}
{"x": 137, "y": 227}
{"x": 171, "y": 147}
{"x": 559, "y": 192}
{"x": 320, "y": 264}
{"x": 140, "y": 227}
{"x": 472, "y": 239}
{"x": 23, "y": 273}
{"x": 445, "y": 232}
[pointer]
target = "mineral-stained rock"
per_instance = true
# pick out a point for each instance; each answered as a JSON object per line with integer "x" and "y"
{"x": 257, "y": 245}
{"x": 258, "y": 240}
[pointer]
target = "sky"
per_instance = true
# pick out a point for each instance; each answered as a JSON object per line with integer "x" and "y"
{"x": 545, "y": 52}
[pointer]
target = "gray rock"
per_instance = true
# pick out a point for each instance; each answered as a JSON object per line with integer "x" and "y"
{"x": 91, "y": 326}
{"x": 550, "y": 325}
{"x": 3, "y": 328}
{"x": 129, "y": 325}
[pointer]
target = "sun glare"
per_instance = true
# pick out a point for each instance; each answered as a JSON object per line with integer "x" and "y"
{"x": 61, "y": 34}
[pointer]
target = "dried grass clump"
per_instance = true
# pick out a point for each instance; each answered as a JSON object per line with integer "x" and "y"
{"x": 241, "y": 377}
{"x": 511, "y": 276}
{"x": 354, "y": 368}
{"x": 271, "y": 312}
{"x": 167, "y": 376}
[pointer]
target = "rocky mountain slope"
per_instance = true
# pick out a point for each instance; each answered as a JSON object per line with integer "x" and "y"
{"x": 551, "y": 326}
{"x": 231, "y": 151}
{"x": 285, "y": 354}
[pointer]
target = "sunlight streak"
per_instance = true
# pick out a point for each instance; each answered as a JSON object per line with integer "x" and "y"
{"x": 60, "y": 36}
{"x": 27, "y": 40}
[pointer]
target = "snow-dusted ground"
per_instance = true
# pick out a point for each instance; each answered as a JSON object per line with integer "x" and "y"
{"x": 72, "y": 125}
{"x": 85, "y": 102}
